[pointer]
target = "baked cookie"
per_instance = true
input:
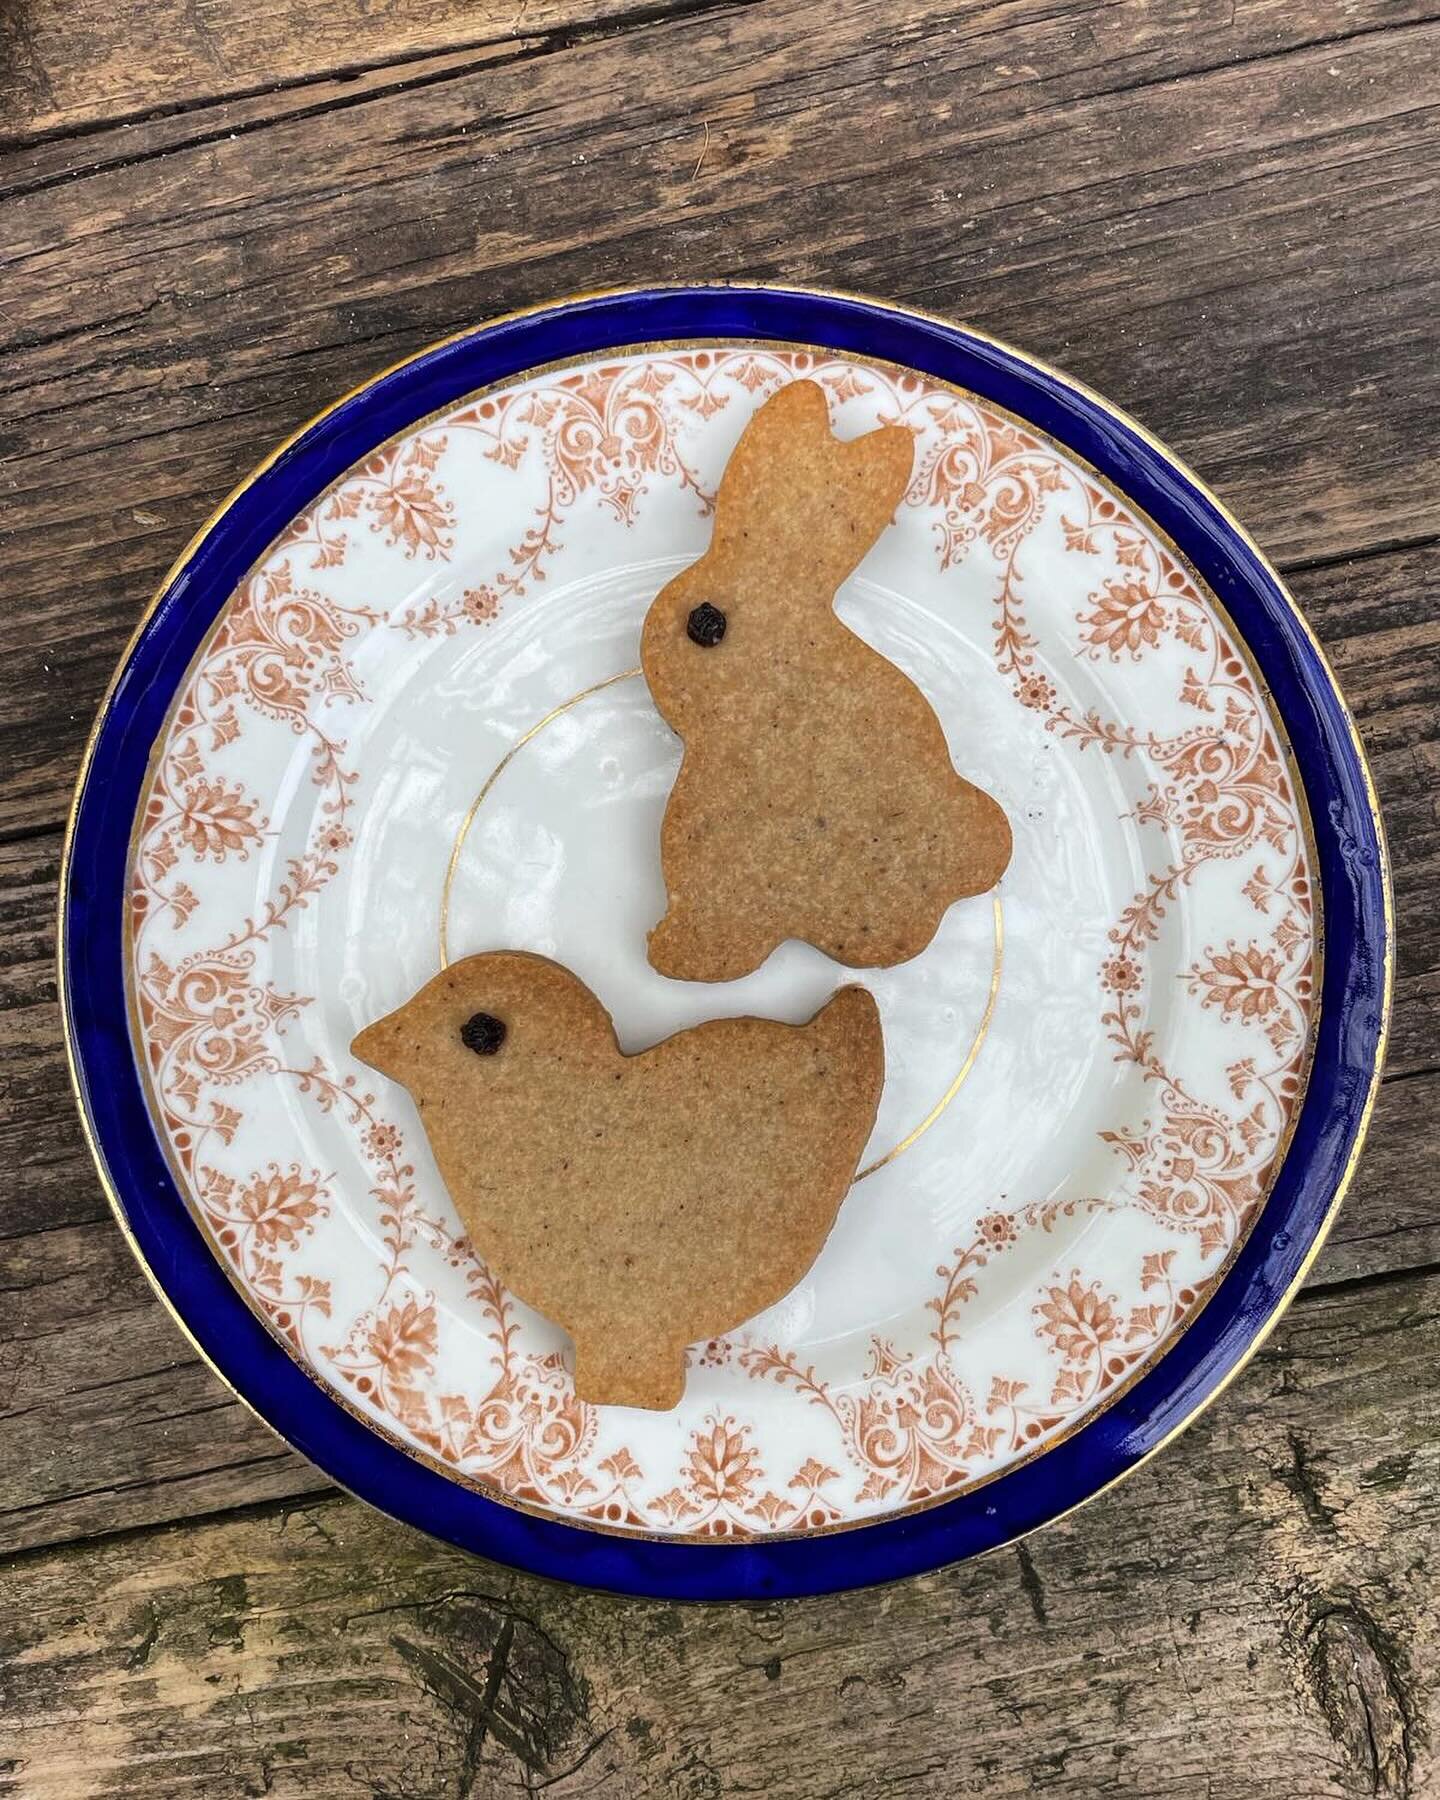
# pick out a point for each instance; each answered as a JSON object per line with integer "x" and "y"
{"x": 643, "y": 1202}
{"x": 817, "y": 798}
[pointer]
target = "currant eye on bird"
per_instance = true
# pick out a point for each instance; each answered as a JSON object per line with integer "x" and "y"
{"x": 483, "y": 1033}
{"x": 706, "y": 625}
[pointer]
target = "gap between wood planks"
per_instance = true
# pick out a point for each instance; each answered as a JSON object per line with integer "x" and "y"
{"x": 1376, "y": 1278}
{"x": 1259, "y": 56}
{"x": 458, "y": 62}
{"x": 454, "y": 64}
{"x": 539, "y": 43}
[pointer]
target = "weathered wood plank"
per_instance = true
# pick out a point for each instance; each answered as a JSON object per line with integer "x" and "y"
{"x": 84, "y": 66}
{"x": 1256, "y": 1615}
{"x": 72, "y": 68}
{"x": 1256, "y": 240}
{"x": 108, "y": 1417}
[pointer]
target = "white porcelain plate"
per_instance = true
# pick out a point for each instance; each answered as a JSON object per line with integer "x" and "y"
{"x": 1091, "y": 1074}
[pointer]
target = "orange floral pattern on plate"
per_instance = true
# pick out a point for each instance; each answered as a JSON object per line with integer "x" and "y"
{"x": 909, "y": 1427}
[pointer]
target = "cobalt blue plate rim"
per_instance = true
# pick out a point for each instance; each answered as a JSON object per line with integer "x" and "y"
{"x": 1354, "y": 882}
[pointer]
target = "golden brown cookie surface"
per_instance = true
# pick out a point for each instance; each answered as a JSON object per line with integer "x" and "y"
{"x": 817, "y": 798}
{"x": 642, "y": 1202}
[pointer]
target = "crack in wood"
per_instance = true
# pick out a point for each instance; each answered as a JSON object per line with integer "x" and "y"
{"x": 528, "y": 1701}
{"x": 1303, "y": 1481}
{"x": 1031, "y": 1584}
{"x": 484, "y": 53}
{"x": 1392, "y": 1078}
{"x": 1332, "y": 42}
{"x": 154, "y": 1481}
{"x": 1371, "y": 1280}
{"x": 271, "y": 1510}
{"x": 477, "y": 1705}
{"x": 1305, "y": 565}
{"x": 139, "y": 1653}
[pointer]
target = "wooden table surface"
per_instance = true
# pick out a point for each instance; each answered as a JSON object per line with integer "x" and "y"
{"x": 216, "y": 215}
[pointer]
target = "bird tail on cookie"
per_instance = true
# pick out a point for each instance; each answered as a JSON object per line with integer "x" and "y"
{"x": 851, "y": 1017}
{"x": 791, "y": 488}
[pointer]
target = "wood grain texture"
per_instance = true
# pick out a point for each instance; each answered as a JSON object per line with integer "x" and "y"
{"x": 109, "y": 1418}
{"x": 170, "y": 316}
{"x": 70, "y": 68}
{"x": 216, "y": 215}
{"x": 1254, "y": 1618}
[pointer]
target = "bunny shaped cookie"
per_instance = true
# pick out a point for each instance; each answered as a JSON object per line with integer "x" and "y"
{"x": 817, "y": 799}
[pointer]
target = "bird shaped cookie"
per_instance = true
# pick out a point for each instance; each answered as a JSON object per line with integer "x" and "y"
{"x": 817, "y": 798}
{"x": 642, "y": 1202}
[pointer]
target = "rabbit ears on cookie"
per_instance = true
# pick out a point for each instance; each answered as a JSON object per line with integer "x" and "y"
{"x": 790, "y": 483}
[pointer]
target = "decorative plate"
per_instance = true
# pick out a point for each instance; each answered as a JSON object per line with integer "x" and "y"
{"x": 386, "y": 710}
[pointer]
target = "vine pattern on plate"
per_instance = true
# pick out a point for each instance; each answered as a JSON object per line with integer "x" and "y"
{"x": 909, "y": 1428}
{"x": 1221, "y": 789}
{"x": 609, "y": 432}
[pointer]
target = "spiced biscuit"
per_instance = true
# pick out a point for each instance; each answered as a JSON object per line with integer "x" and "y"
{"x": 642, "y": 1202}
{"x": 817, "y": 798}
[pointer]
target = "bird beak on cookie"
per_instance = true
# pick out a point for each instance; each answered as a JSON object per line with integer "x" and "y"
{"x": 378, "y": 1045}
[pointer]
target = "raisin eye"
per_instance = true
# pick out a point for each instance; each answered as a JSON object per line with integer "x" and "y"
{"x": 705, "y": 626}
{"x": 483, "y": 1033}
